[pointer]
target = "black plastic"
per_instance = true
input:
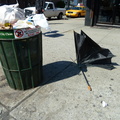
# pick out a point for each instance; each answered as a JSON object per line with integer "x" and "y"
{"x": 89, "y": 52}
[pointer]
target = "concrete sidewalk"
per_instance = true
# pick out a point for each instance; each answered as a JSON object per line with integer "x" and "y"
{"x": 65, "y": 95}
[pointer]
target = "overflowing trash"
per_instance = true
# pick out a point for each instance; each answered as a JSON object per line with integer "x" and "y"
{"x": 32, "y": 22}
{"x": 9, "y": 15}
{"x": 13, "y": 17}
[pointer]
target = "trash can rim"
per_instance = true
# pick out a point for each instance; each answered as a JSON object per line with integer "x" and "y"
{"x": 19, "y": 33}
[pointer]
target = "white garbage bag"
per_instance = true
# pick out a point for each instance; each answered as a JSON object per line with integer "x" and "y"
{"x": 40, "y": 20}
{"x": 9, "y": 14}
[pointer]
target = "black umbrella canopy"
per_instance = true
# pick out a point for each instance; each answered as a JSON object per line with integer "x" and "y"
{"x": 90, "y": 53}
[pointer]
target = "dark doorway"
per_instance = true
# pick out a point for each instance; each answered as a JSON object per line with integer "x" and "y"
{"x": 109, "y": 12}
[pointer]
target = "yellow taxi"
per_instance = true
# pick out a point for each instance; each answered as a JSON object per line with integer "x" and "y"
{"x": 76, "y": 11}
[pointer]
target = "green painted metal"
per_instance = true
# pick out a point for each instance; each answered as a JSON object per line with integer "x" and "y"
{"x": 6, "y": 34}
{"x": 21, "y": 60}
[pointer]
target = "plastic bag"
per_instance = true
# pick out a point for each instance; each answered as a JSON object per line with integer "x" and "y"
{"x": 23, "y": 24}
{"x": 9, "y": 14}
{"x": 40, "y": 19}
{"x": 32, "y": 22}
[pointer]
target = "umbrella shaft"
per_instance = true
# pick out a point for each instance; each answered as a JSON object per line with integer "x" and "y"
{"x": 85, "y": 78}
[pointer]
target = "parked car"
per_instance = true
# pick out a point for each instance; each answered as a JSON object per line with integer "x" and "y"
{"x": 50, "y": 11}
{"x": 76, "y": 11}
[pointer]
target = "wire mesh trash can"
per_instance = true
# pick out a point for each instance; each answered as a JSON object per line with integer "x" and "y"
{"x": 21, "y": 57}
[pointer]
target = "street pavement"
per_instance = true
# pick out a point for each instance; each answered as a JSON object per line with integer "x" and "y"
{"x": 65, "y": 95}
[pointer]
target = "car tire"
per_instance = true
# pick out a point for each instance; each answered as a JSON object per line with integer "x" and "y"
{"x": 79, "y": 15}
{"x": 49, "y": 18}
{"x": 60, "y": 16}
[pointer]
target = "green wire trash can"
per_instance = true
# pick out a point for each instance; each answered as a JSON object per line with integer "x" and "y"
{"x": 21, "y": 57}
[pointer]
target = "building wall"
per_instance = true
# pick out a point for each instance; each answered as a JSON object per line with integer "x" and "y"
{"x": 89, "y": 12}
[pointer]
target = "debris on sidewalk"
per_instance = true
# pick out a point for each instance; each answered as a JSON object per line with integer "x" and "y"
{"x": 89, "y": 53}
{"x": 104, "y": 104}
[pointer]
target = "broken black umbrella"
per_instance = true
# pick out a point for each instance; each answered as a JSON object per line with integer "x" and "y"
{"x": 90, "y": 53}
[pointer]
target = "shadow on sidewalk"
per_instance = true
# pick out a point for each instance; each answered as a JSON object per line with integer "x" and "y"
{"x": 53, "y": 34}
{"x": 59, "y": 71}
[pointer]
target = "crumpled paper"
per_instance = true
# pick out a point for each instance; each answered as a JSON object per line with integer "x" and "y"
{"x": 104, "y": 104}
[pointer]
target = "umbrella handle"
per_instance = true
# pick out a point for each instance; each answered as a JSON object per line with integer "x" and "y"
{"x": 89, "y": 88}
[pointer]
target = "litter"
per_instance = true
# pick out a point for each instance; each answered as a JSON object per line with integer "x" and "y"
{"x": 104, "y": 104}
{"x": 9, "y": 15}
{"x": 23, "y": 24}
{"x": 89, "y": 53}
{"x": 12, "y": 17}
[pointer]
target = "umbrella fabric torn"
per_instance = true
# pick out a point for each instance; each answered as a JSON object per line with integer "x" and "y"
{"x": 90, "y": 53}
